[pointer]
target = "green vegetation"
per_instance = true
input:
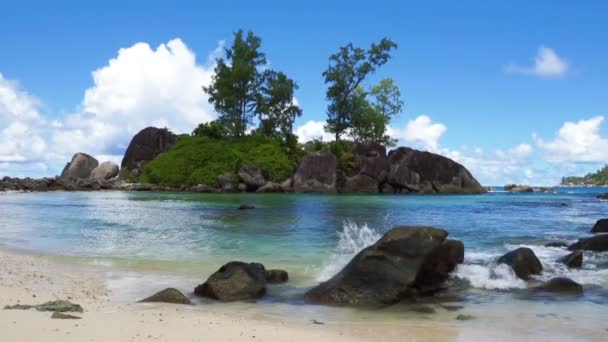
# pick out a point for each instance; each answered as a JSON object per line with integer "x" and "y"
{"x": 349, "y": 109}
{"x": 201, "y": 159}
{"x": 598, "y": 178}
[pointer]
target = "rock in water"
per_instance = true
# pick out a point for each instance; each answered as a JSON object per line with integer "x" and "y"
{"x": 601, "y": 226}
{"x": 59, "y": 315}
{"x": 246, "y": 207}
{"x": 561, "y": 285}
{"x": 405, "y": 262}
{"x": 169, "y": 295}
{"x": 556, "y": 244}
{"x": 106, "y": 170}
{"x": 598, "y": 243}
{"x": 81, "y": 166}
{"x": 276, "y": 276}
{"x": 573, "y": 260}
{"x": 235, "y": 281}
{"x": 145, "y": 146}
{"x": 523, "y": 261}
{"x": 316, "y": 173}
{"x": 425, "y": 172}
{"x": 252, "y": 176}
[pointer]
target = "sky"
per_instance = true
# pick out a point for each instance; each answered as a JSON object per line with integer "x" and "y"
{"x": 516, "y": 91}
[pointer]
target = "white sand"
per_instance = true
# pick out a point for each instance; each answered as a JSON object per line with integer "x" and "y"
{"x": 31, "y": 279}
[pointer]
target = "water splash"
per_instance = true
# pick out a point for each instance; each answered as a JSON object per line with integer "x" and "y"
{"x": 351, "y": 240}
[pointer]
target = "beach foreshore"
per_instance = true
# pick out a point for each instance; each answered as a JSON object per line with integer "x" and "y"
{"x": 34, "y": 279}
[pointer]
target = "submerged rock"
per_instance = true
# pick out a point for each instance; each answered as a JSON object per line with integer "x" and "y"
{"x": 276, "y": 276}
{"x": 598, "y": 243}
{"x": 601, "y": 226}
{"x": 557, "y": 244}
{"x": 523, "y": 261}
{"x": 169, "y": 295}
{"x": 81, "y": 166}
{"x": 245, "y": 207}
{"x": 235, "y": 281}
{"x": 405, "y": 262}
{"x": 573, "y": 260}
{"x": 56, "y": 306}
{"x": 603, "y": 196}
{"x": 561, "y": 285}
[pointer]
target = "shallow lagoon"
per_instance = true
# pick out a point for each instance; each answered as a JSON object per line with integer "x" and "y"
{"x": 163, "y": 239}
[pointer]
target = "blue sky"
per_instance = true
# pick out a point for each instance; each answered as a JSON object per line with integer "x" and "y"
{"x": 466, "y": 69}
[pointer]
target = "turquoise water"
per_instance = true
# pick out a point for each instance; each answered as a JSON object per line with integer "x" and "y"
{"x": 311, "y": 236}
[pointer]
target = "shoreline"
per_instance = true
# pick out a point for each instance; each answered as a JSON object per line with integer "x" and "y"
{"x": 112, "y": 315}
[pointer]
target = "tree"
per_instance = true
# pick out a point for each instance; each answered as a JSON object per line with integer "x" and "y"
{"x": 347, "y": 70}
{"x": 368, "y": 122}
{"x": 277, "y": 110}
{"x": 212, "y": 129}
{"x": 234, "y": 87}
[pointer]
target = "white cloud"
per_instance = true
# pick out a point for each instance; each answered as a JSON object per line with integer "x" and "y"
{"x": 21, "y": 127}
{"x": 313, "y": 130}
{"x": 546, "y": 64}
{"x": 576, "y": 142}
{"x": 139, "y": 87}
{"x": 421, "y": 133}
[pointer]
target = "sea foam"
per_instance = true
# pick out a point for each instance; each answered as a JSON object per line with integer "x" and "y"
{"x": 351, "y": 240}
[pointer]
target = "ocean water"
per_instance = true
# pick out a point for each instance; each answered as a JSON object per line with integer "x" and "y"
{"x": 313, "y": 236}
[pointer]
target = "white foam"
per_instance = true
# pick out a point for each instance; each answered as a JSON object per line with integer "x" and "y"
{"x": 351, "y": 240}
{"x": 490, "y": 276}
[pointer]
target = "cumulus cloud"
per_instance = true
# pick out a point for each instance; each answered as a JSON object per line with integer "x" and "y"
{"x": 546, "y": 64}
{"x": 22, "y": 139}
{"x": 313, "y": 130}
{"x": 421, "y": 133}
{"x": 576, "y": 142}
{"x": 141, "y": 86}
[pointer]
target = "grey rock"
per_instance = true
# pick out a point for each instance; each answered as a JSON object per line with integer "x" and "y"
{"x": 169, "y": 295}
{"x": 235, "y": 281}
{"x": 276, "y": 276}
{"x": 146, "y": 145}
{"x": 601, "y": 226}
{"x": 573, "y": 260}
{"x": 561, "y": 285}
{"x": 360, "y": 184}
{"x": 316, "y": 173}
{"x": 252, "y": 176}
{"x": 106, "y": 170}
{"x": 81, "y": 166}
{"x": 523, "y": 261}
{"x": 598, "y": 243}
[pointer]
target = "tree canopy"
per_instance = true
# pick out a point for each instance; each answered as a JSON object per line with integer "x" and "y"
{"x": 364, "y": 115}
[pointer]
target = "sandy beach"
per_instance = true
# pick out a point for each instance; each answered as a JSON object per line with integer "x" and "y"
{"x": 34, "y": 279}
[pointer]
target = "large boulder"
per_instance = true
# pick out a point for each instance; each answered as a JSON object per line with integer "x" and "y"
{"x": 425, "y": 172}
{"x": 316, "y": 173}
{"x": 270, "y": 187}
{"x": 523, "y": 261}
{"x": 601, "y": 226}
{"x": 360, "y": 184}
{"x": 235, "y": 281}
{"x": 405, "y": 262}
{"x": 252, "y": 176}
{"x": 145, "y": 146}
{"x": 518, "y": 188}
{"x": 169, "y": 295}
{"x": 573, "y": 260}
{"x": 598, "y": 243}
{"x": 106, "y": 170}
{"x": 372, "y": 161}
{"x": 81, "y": 166}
